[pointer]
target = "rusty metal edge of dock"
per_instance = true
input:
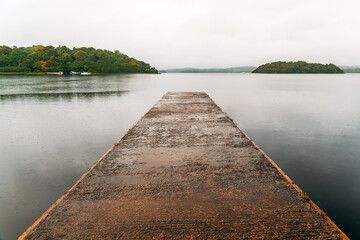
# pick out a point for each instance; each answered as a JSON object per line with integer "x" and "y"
{"x": 301, "y": 193}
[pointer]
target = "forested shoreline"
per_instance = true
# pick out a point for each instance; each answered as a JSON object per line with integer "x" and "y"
{"x": 41, "y": 59}
{"x": 297, "y": 67}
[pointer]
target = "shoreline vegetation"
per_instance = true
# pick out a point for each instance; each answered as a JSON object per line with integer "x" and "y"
{"x": 38, "y": 59}
{"x": 297, "y": 67}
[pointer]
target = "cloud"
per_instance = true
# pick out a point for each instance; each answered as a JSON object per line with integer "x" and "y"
{"x": 192, "y": 33}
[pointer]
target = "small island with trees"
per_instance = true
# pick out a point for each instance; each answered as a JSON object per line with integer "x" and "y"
{"x": 42, "y": 59}
{"x": 297, "y": 67}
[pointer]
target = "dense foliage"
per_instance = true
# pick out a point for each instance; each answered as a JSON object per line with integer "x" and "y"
{"x": 297, "y": 67}
{"x": 50, "y": 59}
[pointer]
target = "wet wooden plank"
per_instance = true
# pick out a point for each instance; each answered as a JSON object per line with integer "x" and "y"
{"x": 184, "y": 170}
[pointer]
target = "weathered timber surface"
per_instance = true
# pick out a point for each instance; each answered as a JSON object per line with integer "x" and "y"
{"x": 184, "y": 170}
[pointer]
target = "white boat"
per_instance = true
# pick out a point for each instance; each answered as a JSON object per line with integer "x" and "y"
{"x": 85, "y": 73}
{"x": 74, "y": 73}
{"x": 54, "y": 73}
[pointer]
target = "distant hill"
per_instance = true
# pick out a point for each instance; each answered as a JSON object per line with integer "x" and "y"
{"x": 38, "y": 58}
{"x": 350, "y": 69}
{"x": 297, "y": 67}
{"x": 210, "y": 70}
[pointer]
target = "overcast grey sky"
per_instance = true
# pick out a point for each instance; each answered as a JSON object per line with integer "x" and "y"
{"x": 197, "y": 33}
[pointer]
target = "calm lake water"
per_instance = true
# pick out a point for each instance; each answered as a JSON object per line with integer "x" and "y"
{"x": 53, "y": 128}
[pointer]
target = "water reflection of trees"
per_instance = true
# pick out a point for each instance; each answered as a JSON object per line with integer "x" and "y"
{"x": 60, "y": 96}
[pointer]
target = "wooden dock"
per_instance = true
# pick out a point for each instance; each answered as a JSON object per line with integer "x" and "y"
{"x": 184, "y": 171}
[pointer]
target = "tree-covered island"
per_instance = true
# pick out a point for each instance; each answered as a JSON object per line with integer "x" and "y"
{"x": 41, "y": 59}
{"x": 297, "y": 67}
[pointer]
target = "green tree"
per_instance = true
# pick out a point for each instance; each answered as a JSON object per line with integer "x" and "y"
{"x": 47, "y": 58}
{"x": 297, "y": 67}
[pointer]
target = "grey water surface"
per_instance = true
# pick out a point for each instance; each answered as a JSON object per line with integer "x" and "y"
{"x": 54, "y": 128}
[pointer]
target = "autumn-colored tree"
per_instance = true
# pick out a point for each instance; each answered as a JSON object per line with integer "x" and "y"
{"x": 43, "y": 65}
